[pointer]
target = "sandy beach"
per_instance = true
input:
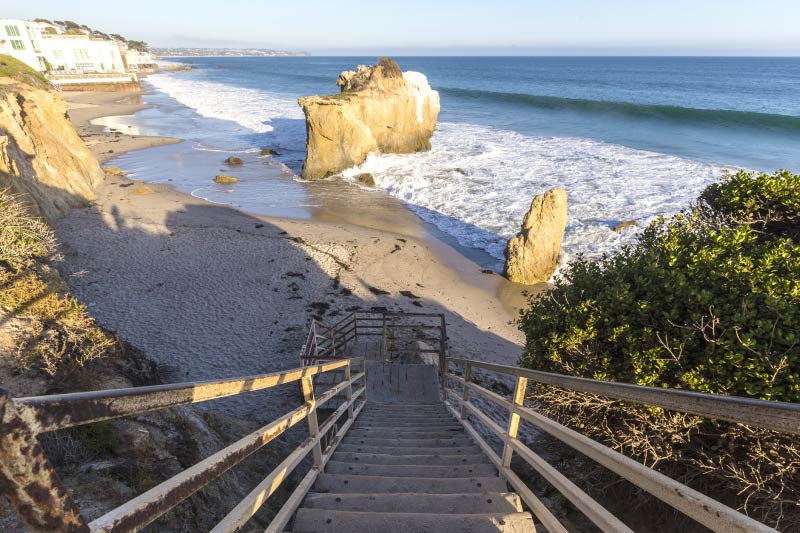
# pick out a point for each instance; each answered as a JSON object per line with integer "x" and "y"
{"x": 87, "y": 106}
{"x": 210, "y": 291}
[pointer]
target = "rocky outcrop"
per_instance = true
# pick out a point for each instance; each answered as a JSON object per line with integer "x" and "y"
{"x": 532, "y": 255}
{"x": 42, "y": 159}
{"x": 379, "y": 109}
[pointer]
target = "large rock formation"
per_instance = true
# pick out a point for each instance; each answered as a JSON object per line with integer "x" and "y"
{"x": 380, "y": 109}
{"x": 532, "y": 256}
{"x": 42, "y": 159}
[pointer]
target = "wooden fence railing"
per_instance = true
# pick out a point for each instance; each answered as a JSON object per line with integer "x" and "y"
{"x": 32, "y": 486}
{"x": 778, "y": 416}
{"x": 400, "y": 334}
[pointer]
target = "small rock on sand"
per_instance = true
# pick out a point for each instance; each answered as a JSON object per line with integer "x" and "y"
{"x": 114, "y": 171}
{"x": 625, "y": 224}
{"x": 366, "y": 179}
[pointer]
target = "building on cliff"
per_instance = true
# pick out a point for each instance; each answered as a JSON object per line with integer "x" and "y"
{"x": 69, "y": 58}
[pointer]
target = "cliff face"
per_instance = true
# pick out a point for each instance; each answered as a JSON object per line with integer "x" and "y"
{"x": 380, "y": 109}
{"x": 532, "y": 255}
{"x": 42, "y": 159}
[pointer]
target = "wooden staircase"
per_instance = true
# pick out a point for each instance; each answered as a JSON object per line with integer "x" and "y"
{"x": 409, "y": 467}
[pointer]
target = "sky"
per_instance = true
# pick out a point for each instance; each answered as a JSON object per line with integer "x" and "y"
{"x": 446, "y": 27}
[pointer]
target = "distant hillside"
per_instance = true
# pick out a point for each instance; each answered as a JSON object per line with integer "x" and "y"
{"x": 222, "y": 52}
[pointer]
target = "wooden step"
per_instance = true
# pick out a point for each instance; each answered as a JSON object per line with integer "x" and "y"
{"x": 451, "y": 425}
{"x": 366, "y": 469}
{"x": 308, "y": 520}
{"x": 409, "y": 459}
{"x": 339, "y": 483}
{"x": 411, "y": 433}
{"x": 491, "y": 502}
{"x": 408, "y": 450}
{"x": 450, "y": 442}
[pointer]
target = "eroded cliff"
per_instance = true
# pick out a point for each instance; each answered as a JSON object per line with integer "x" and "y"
{"x": 532, "y": 255}
{"x": 42, "y": 160}
{"x": 379, "y": 109}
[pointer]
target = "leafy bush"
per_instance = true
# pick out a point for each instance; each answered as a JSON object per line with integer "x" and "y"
{"x": 708, "y": 300}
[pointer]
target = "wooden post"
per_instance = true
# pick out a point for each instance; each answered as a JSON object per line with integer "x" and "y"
{"x": 28, "y": 479}
{"x": 347, "y": 376}
{"x": 444, "y": 381}
{"x": 307, "y": 383}
{"x": 513, "y": 420}
{"x": 465, "y": 396}
{"x": 383, "y": 348}
{"x": 442, "y": 347}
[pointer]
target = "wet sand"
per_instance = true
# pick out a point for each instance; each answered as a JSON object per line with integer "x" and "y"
{"x": 105, "y": 145}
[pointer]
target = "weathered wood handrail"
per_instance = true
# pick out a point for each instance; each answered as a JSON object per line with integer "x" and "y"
{"x": 32, "y": 486}
{"x": 705, "y": 510}
{"x": 329, "y": 342}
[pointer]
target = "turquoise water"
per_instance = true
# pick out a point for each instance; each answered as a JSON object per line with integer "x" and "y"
{"x": 629, "y": 138}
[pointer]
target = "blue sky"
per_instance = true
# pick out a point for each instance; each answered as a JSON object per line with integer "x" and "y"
{"x": 411, "y": 27}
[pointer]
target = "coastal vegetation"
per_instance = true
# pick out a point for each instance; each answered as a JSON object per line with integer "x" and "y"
{"x": 707, "y": 300}
{"x": 60, "y": 339}
{"x": 19, "y": 71}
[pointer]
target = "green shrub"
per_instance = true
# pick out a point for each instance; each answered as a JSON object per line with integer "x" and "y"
{"x": 708, "y": 300}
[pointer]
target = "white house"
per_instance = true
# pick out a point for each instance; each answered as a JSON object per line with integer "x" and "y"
{"x": 20, "y": 39}
{"x": 46, "y": 48}
{"x": 81, "y": 53}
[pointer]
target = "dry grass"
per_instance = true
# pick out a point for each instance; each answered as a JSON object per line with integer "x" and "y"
{"x": 60, "y": 337}
{"x": 22, "y": 236}
{"x": 754, "y": 470}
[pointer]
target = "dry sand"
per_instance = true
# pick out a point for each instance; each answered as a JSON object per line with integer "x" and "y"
{"x": 208, "y": 291}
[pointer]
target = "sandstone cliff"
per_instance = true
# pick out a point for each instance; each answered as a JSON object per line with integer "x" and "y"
{"x": 532, "y": 255}
{"x": 379, "y": 109}
{"x": 42, "y": 159}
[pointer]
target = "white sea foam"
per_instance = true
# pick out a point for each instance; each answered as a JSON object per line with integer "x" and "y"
{"x": 250, "y": 108}
{"x": 477, "y": 182}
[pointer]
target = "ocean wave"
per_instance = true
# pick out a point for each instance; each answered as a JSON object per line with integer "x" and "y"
{"x": 477, "y": 182}
{"x": 203, "y": 148}
{"x": 252, "y": 109}
{"x": 646, "y": 111}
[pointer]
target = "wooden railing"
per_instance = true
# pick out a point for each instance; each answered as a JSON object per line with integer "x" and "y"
{"x": 400, "y": 334}
{"x": 31, "y": 484}
{"x": 778, "y": 416}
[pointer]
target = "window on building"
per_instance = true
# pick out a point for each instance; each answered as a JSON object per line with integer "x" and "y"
{"x": 17, "y": 44}
{"x": 12, "y": 31}
{"x": 58, "y": 54}
{"x": 81, "y": 53}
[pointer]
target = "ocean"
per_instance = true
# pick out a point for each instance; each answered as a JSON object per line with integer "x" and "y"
{"x": 629, "y": 138}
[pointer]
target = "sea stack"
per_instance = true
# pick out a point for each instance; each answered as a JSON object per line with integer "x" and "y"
{"x": 532, "y": 255}
{"x": 380, "y": 109}
{"x": 42, "y": 159}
